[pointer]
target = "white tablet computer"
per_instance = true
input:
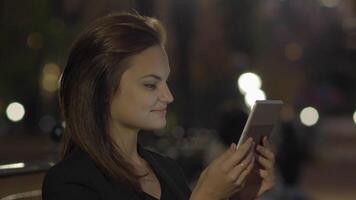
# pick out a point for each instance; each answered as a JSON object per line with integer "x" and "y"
{"x": 261, "y": 121}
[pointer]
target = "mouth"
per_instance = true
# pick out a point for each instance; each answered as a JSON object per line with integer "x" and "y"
{"x": 160, "y": 112}
{"x": 163, "y": 110}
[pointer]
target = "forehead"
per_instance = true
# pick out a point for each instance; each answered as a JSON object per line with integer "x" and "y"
{"x": 152, "y": 60}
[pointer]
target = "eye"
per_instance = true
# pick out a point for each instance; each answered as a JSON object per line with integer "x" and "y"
{"x": 150, "y": 86}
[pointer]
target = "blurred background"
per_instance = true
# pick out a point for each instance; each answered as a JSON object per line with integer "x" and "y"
{"x": 224, "y": 55}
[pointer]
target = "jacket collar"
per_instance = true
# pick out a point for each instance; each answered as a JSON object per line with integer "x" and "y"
{"x": 161, "y": 171}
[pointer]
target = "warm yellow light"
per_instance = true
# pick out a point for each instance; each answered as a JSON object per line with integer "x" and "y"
{"x": 50, "y": 74}
{"x": 35, "y": 41}
{"x": 15, "y": 111}
{"x": 252, "y": 96}
{"x": 354, "y": 117}
{"x": 51, "y": 68}
{"x": 249, "y": 82}
{"x": 309, "y": 116}
{"x": 293, "y": 51}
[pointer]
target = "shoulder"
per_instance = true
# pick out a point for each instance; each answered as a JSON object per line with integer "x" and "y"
{"x": 75, "y": 167}
{"x": 75, "y": 176}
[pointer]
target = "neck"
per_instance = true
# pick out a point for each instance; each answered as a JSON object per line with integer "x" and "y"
{"x": 126, "y": 139}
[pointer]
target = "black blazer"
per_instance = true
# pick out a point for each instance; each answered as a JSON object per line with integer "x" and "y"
{"x": 77, "y": 177}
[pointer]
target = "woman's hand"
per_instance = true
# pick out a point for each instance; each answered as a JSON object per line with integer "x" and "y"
{"x": 226, "y": 175}
{"x": 266, "y": 159}
{"x": 263, "y": 176}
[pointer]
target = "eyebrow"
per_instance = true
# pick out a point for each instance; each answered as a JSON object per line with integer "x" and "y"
{"x": 152, "y": 76}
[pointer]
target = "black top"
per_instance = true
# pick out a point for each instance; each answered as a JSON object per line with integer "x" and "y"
{"x": 78, "y": 177}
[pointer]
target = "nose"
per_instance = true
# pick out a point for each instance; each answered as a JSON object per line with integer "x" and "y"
{"x": 166, "y": 95}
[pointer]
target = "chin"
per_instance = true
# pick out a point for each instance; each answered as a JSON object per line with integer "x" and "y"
{"x": 156, "y": 126}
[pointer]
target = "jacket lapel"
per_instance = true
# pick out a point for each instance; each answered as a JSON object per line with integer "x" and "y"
{"x": 161, "y": 172}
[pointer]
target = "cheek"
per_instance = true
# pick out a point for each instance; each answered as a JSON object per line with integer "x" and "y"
{"x": 133, "y": 104}
{"x": 141, "y": 101}
{"x": 134, "y": 109}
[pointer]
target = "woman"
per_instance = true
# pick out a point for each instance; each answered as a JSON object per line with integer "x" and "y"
{"x": 114, "y": 85}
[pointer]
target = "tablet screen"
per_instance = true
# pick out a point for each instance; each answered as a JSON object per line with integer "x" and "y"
{"x": 261, "y": 120}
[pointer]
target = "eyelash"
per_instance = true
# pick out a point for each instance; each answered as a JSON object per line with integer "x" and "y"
{"x": 151, "y": 86}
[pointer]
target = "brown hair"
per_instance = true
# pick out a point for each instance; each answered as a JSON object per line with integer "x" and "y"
{"x": 95, "y": 65}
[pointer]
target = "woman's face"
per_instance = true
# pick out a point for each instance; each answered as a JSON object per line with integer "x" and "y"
{"x": 143, "y": 95}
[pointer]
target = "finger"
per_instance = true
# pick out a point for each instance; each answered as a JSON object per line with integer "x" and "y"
{"x": 250, "y": 139}
{"x": 238, "y": 169}
{"x": 266, "y": 143}
{"x": 237, "y": 156}
{"x": 242, "y": 177}
{"x": 263, "y": 151}
{"x": 263, "y": 173}
{"x": 237, "y": 189}
{"x": 267, "y": 175}
{"x": 227, "y": 153}
{"x": 267, "y": 164}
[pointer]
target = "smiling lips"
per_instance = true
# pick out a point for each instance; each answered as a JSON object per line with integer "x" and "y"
{"x": 161, "y": 112}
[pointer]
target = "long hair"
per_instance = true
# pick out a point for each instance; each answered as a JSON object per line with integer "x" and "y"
{"x": 95, "y": 65}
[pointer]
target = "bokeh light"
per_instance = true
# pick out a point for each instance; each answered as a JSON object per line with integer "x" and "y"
{"x": 330, "y": 3}
{"x": 309, "y": 116}
{"x": 354, "y": 117}
{"x": 63, "y": 124}
{"x": 252, "y": 96}
{"x": 15, "y": 111}
{"x": 13, "y": 166}
{"x": 35, "y": 41}
{"x": 50, "y": 76}
{"x": 249, "y": 82}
